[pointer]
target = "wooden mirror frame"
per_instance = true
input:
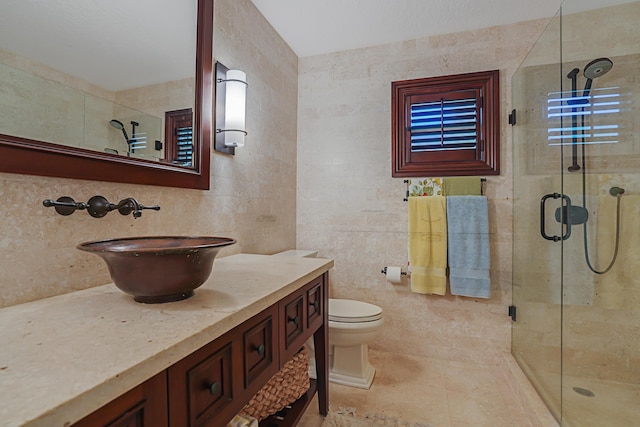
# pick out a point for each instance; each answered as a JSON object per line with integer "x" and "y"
{"x": 31, "y": 157}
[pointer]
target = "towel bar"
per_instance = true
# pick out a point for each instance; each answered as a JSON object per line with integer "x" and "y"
{"x": 483, "y": 181}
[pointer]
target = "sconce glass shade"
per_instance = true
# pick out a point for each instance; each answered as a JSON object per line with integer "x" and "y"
{"x": 231, "y": 104}
{"x": 235, "y": 108}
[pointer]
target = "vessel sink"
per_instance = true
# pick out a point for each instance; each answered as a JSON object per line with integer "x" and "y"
{"x": 158, "y": 269}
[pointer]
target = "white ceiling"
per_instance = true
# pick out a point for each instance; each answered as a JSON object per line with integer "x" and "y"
{"x": 120, "y": 44}
{"x": 313, "y": 27}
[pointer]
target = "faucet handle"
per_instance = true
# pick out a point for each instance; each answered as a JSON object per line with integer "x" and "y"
{"x": 138, "y": 213}
{"x": 154, "y": 207}
{"x": 64, "y": 205}
{"x": 132, "y": 206}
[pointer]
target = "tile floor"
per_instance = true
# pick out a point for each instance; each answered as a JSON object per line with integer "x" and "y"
{"x": 442, "y": 393}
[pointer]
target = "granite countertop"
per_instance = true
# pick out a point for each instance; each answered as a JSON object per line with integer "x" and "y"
{"x": 63, "y": 357}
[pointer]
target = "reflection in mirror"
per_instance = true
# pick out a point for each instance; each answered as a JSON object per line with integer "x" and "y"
{"x": 179, "y": 136}
{"x": 35, "y": 108}
{"x": 103, "y": 81}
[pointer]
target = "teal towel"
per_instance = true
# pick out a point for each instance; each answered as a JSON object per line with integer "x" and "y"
{"x": 468, "y": 246}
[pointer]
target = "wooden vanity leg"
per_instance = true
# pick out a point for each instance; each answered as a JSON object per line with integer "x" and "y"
{"x": 322, "y": 368}
{"x": 321, "y": 344}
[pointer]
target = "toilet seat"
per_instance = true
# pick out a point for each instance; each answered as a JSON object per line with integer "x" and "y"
{"x": 351, "y": 311}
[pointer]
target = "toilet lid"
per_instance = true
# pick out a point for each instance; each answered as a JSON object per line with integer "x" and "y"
{"x": 351, "y": 311}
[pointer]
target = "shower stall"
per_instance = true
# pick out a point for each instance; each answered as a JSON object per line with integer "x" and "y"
{"x": 576, "y": 214}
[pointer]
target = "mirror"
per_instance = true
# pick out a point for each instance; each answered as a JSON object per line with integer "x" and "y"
{"x": 73, "y": 78}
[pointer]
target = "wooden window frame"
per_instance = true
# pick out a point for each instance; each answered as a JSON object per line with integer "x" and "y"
{"x": 171, "y": 120}
{"x": 485, "y": 160}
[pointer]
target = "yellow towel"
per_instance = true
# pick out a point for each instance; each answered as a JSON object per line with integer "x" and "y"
{"x": 462, "y": 186}
{"x": 428, "y": 244}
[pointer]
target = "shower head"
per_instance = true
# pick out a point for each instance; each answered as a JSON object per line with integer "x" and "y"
{"x": 598, "y": 67}
{"x": 118, "y": 125}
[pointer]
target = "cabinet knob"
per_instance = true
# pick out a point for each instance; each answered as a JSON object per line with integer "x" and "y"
{"x": 295, "y": 321}
{"x": 214, "y": 388}
{"x": 316, "y": 305}
{"x": 260, "y": 349}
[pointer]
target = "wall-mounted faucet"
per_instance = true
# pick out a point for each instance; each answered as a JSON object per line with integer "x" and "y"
{"x": 98, "y": 206}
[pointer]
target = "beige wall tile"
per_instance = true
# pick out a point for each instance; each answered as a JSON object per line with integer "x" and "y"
{"x": 350, "y": 209}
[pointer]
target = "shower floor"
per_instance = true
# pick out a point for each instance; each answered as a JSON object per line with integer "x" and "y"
{"x": 597, "y": 403}
{"x": 614, "y": 404}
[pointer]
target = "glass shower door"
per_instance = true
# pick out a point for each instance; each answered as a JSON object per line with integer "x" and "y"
{"x": 576, "y": 215}
{"x": 537, "y": 262}
{"x": 601, "y": 261}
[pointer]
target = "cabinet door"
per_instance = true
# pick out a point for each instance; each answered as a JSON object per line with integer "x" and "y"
{"x": 211, "y": 385}
{"x": 293, "y": 318}
{"x": 301, "y": 314}
{"x": 143, "y": 406}
{"x": 260, "y": 349}
{"x": 201, "y": 386}
{"x": 315, "y": 304}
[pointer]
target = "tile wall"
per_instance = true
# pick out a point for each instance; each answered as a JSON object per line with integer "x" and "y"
{"x": 350, "y": 209}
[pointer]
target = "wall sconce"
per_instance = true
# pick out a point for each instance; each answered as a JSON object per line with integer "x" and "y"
{"x": 231, "y": 105}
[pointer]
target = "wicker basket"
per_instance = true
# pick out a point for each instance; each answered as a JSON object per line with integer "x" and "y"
{"x": 284, "y": 388}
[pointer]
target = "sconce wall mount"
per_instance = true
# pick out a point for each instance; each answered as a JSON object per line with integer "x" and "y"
{"x": 231, "y": 104}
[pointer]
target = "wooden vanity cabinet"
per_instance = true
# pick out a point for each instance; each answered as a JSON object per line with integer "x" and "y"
{"x": 212, "y": 384}
{"x": 143, "y": 406}
{"x": 216, "y": 381}
{"x": 301, "y": 313}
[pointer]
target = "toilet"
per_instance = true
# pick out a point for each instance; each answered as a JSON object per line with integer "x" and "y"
{"x": 352, "y": 326}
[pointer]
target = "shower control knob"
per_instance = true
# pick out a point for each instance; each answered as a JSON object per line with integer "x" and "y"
{"x": 616, "y": 191}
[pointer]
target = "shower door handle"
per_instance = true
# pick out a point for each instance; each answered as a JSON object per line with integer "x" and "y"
{"x": 567, "y": 224}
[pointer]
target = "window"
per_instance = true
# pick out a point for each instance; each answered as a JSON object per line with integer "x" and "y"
{"x": 446, "y": 126}
{"x": 593, "y": 117}
{"x": 179, "y": 136}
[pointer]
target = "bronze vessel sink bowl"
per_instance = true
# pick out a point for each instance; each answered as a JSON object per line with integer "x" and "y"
{"x": 158, "y": 269}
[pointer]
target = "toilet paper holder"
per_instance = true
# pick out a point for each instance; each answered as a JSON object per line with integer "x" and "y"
{"x": 384, "y": 271}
